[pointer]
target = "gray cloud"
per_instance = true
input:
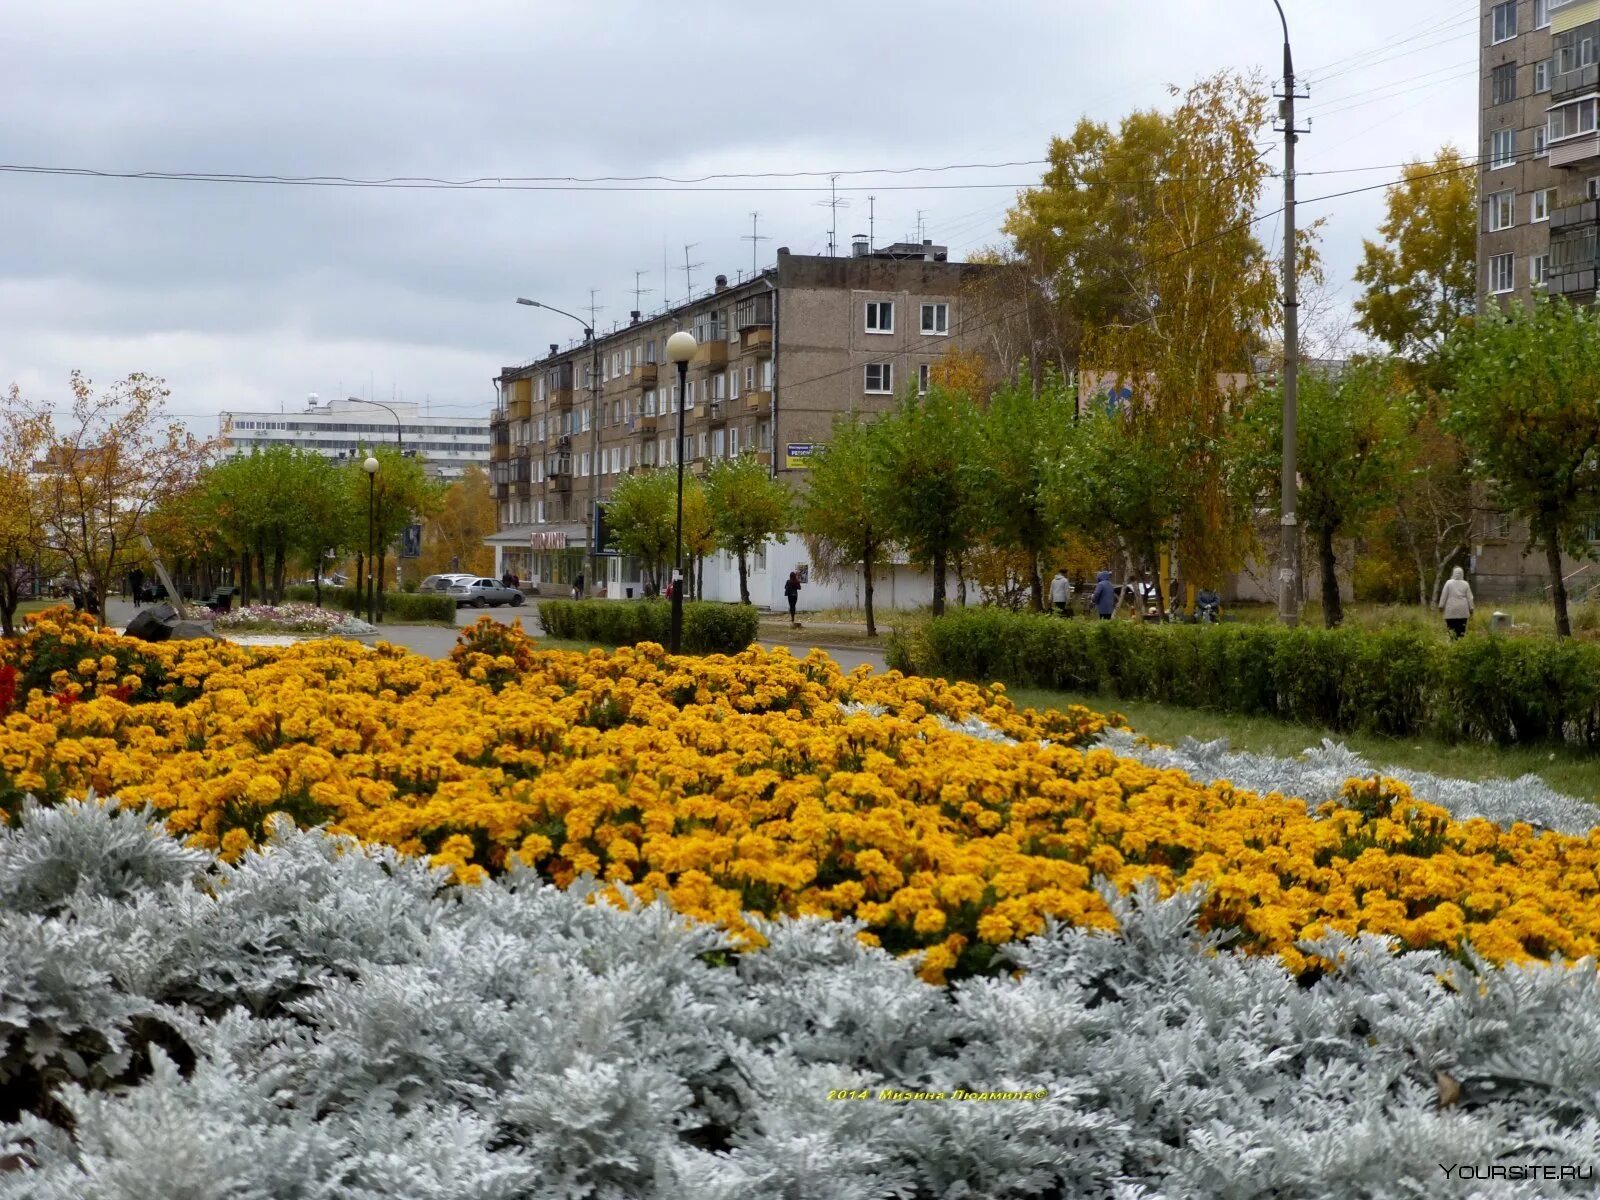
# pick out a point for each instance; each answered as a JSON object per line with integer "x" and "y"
{"x": 256, "y": 295}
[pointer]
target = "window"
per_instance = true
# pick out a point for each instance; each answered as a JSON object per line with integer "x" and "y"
{"x": 1505, "y": 20}
{"x": 719, "y": 386}
{"x": 1572, "y": 119}
{"x": 750, "y": 379}
{"x": 1502, "y": 273}
{"x": 650, "y": 402}
{"x": 880, "y": 377}
{"x": 935, "y": 318}
{"x": 1502, "y": 148}
{"x": 880, "y": 316}
{"x": 1541, "y": 76}
{"x": 1540, "y": 138}
{"x": 649, "y": 351}
{"x": 1540, "y": 204}
{"x": 708, "y": 327}
{"x": 717, "y": 440}
{"x": 700, "y": 444}
{"x": 733, "y": 384}
{"x": 688, "y": 396}
{"x": 1538, "y": 270}
{"x": 1503, "y": 83}
{"x": 733, "y": 442}
{"x": 1541, "y": 13}
{"x": 1499, "y": 209}
{"x": 922, "y": 380}
{"x": 1573, "y": 51}
{"x": 766, "y": 375}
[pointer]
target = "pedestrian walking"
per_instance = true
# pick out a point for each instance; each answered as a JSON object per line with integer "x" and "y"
{"x": 1456, "y": 602}
{"x": 136, "y": 585}
{"x": 1060, "y": 593}
{"x": 508, "y": 580}
{"x": 577, "y": 587}
{"x": 1104, "y": 597}
{"x": 791, "y": 592}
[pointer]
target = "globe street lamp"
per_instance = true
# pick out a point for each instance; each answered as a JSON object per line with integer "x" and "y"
{"x": 371, "y": 468}
{"x": 594, "y": 417}
{"x": 680, "y": 349}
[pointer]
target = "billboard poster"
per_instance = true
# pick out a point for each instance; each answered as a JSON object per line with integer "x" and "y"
{"x": 798, "y": 456}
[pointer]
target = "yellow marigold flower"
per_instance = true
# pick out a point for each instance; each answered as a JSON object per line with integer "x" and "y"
{"x": 929, "y": 920}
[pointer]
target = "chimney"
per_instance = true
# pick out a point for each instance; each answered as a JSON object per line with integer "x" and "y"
{"x": 860, "y": 246}
{"x": 633, "y": 317}
{"x": 722, "y": 283}
{"x": 555, "y": 348}
{"x": 783, "y": 252}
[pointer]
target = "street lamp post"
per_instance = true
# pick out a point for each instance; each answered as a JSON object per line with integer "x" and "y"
{"x": 594, "y": 421}
{"x": 371, "y": 468}
{"x": 399, "y": 430}
{"x": 680, "y": 349}
{"x": 1289, "y": 532}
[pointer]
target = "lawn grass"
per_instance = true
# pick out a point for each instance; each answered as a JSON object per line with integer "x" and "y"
{"x": 1568, "y": 771}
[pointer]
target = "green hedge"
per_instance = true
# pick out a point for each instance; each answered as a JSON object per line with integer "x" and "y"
{"x": 1400, "y": 682}
{"x": 707, "y": 628}
{"x": 397, "y": 606}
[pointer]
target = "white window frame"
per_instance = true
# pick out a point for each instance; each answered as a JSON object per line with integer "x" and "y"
{"x": 935, "y": 320}
{"x": 1538, "y": 270}
{"x": 1497, "y": 26}
{"x": 885, "y": 380}
{"x": 1541, "y": 75}
{"x": 750, "y": 378}
{"x": 1502, "y": 270}
{"x": 922, "y": 379}
{"x": 733, "y": 384}
{"x": 1586, "y": 106}
{"x": 733, "y": 441}
{"x": 1541, "y": 141}
{"x": 1541, "y": 14}
{"x": 1500, "y": 208}
{"x": 879, "y": 316}
{"x": 719, "y": 385}
{"x": 767, "y": 375}
{"x": 1502, "y": 148}
{"x": 1539, "y": 205}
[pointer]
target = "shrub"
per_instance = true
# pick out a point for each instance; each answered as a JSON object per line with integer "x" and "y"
{"x": 1398, "y": 681}
{"x": 419, "y": 606}
{"x": 707, "y": 628}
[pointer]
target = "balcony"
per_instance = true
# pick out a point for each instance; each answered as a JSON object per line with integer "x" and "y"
{"x": 519, "y": 409}
{"x": 642, "y": 424}
{"x": 717, "y": 412}
{"x": 560, "y": 398}
{"x": 757, "y": 401}
{"x": 1579, "y": 81}
{"x": 756, "y": 343}
{"x": 1580, "y": 151}
{"x": 1587, "y": 213}
{"x": 643, "y": 375}
{"x": 710, "y": 356}
{"x": 753, "y": 313}
{"x": 559, "y": 441}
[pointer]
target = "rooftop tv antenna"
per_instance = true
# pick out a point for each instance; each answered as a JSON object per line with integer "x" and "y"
{"x": 755, "y": 239}
{"x": 639, "y": 291}
{"x": 689, "y": 269}
{"x": 835, "y": 203}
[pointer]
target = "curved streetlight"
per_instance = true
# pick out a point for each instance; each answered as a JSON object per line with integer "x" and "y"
{"x": 680, "y": 349}
{"x": 399, "y": 430}
{"x": 371, "y": 468}
{"x": 594, "y": 421}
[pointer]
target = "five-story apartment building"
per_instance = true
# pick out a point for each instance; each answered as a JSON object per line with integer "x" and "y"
{"x": 779, "y": 357}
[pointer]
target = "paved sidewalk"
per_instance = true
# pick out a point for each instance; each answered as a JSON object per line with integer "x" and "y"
{"x": 435, "y": 641}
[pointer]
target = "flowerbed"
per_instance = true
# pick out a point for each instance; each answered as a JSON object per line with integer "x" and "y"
{"x": 761, "y": 784}
{"x": 328, "y": 1020}
{"x": 285, "y": 618}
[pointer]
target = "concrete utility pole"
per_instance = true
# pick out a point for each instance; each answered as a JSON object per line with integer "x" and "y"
{"x": 1289, "y": 530}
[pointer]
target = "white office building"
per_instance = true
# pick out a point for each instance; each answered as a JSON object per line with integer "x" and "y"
{"x": 336, "y": 428}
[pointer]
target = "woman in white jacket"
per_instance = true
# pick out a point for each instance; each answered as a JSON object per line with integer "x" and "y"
{"x": 1455, "y": 599}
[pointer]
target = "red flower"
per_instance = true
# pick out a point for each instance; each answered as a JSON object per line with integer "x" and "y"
{"x": 66, "y": 699}
{"x": 8, "y": 687}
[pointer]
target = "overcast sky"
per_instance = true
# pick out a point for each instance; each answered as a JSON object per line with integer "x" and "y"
{"x": 246, "y": 296}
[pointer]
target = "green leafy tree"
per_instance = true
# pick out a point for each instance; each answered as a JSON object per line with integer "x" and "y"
{"x": 699, "y": 536}
{"x": 748, "y": 506}
{"x": 841, "y": 515}
{"x": 1527, "y": 405}
{"x": 1021, "y": 443}
{"x": 1350, "y": 445}
{"x": 924, "y": 456}
{"x": 642, "y": 517}
{"x": 1420, "y": 281}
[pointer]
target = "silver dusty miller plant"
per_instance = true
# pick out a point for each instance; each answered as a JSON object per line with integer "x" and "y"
{"x": 328, "y": 1020}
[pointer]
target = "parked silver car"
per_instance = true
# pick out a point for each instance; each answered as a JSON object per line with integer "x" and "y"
{"x": 485, "y": 593}
{"x": 442, "y": 583}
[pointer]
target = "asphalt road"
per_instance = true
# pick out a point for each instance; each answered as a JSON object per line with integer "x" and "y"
{"x": 435, "y": 641}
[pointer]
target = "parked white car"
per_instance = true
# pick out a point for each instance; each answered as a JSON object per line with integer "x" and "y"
{"x": 441, "y": 583}
{"x": 485, "y": 593}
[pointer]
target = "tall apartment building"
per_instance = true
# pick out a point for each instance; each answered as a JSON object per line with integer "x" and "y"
{"x": 448, "y": 445}
{"x": 1539, "y": 106}
{"x": 780, "y": 355}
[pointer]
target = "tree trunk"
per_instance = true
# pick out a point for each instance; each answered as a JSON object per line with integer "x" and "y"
{"x": 961, "y": 581}
{"x": 1558, "y": 586}
{"x": 700, "y": 578}
{"x": 1332, "y": 609}
{"x": 244, "y": 579}
{"x": 938, "y": 583}
{"x": 866, "y": 571}
{"x": 361, "y": 575}
{"x": 277, "y": 575}
{"x": 378, "y": 579}
{"x": 1036, "y": 583}
{"x": 261, "y": 574}
{"x": 744, "y": 579}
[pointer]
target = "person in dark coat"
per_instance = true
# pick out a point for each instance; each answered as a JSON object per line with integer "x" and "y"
{"x": 136, "y": 586}
{"x": 577, "y": 587}
{"x": 1104, "y": 598}
{"x": 791, "y": 592}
